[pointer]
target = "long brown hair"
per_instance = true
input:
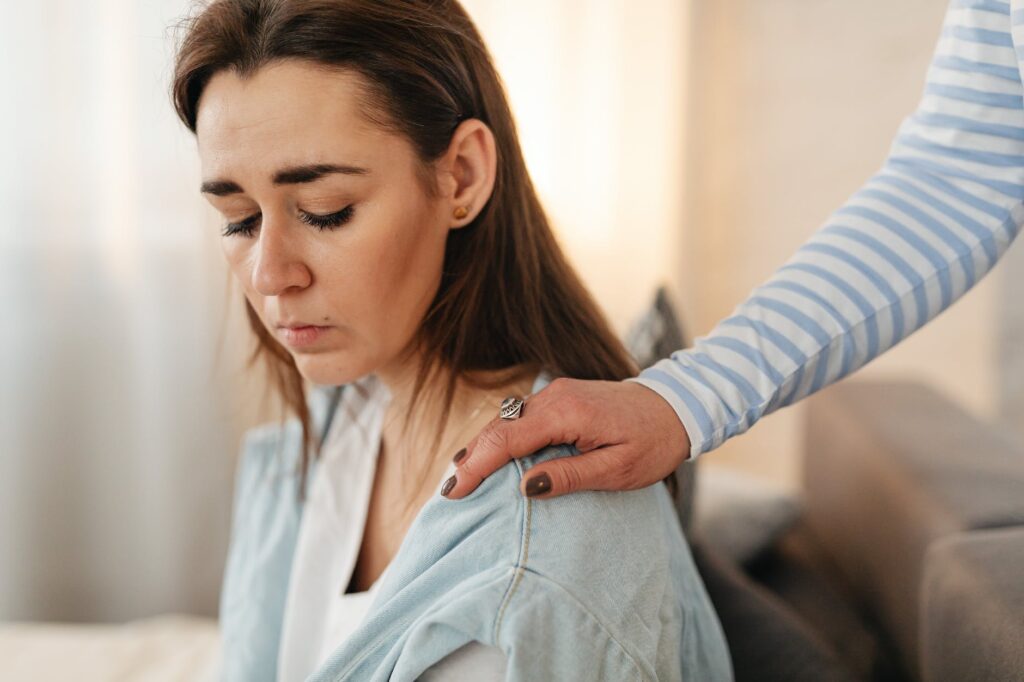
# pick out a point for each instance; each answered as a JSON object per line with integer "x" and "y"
{"x": 507, "y": 295}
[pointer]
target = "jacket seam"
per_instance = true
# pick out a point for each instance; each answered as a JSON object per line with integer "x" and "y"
{"x": 590, "y": 614}
{"x": 520, "y": 567}
{"x": 518, "y": 570}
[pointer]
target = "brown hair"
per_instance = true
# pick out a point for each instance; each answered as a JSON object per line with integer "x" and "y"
{"x": 507, "y": 295}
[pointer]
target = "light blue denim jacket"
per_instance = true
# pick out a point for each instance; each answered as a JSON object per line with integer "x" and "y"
{"x": 588, "y": 586}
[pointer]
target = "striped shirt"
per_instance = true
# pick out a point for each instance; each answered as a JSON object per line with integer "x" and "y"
{"x": 928, "y": 226}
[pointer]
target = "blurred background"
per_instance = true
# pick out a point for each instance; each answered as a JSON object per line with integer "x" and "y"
{"x": 690, "y": 142}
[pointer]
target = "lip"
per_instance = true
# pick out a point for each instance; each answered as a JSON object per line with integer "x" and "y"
{"x": 300, "y": 336}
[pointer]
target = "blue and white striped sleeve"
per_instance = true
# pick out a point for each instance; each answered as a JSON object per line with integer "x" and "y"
{"x": 927, "y": 227}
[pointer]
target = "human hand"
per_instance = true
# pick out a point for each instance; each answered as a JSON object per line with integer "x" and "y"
{"x": 628, "y": 437}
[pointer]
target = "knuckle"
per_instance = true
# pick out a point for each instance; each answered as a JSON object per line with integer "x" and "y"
{"x": 491, "y": 441}
{"x": 629, "y": 470}
{"x": 565, "y": 389}
{"x": 565, "y": 401}
{"x": 570, "y": 405}
{"x": 467, "y": 468}
{"x": 565, "y": 479}
{"x": 492, "y": 438}
{"x": 559, "y": 385}
{"x": 573, "y": 480}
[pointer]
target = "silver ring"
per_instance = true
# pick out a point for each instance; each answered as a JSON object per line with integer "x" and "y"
{"x": 512, "y": 407}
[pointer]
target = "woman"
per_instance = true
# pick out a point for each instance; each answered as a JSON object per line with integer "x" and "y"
{"x": 380, "y": 219}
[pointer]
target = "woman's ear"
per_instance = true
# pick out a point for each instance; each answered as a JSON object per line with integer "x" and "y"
{"x": 471, "y": 166}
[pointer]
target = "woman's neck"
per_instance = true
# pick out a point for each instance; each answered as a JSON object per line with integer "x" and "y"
{"x": 400, "y": 379}
{"x": 476, "y": 401}
{"x": 409, "y": 469}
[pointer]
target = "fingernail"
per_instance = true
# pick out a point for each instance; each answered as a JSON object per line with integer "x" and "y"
{"x": 538, "y": 484}
{"x": 459, "y": 455}
{"x": 448, "y": 485}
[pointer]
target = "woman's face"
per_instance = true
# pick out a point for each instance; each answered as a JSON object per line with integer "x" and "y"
{"x": 330, "y": 226}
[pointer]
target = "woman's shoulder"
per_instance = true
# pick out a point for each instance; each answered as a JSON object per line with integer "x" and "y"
{"x": 599, "y": 582}
{"x": 612, "y": 568}
{"x": 582, "y": 537}
{"x": 615, "y": 551}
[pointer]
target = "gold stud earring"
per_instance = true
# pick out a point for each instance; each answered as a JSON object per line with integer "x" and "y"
{"x": 461, "y": 212}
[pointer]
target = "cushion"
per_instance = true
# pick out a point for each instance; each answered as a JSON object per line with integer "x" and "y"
{"x": 767, "y": 642}
{"x": 740, "y": 515}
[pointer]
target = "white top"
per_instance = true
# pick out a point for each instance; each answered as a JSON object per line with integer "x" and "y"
{"x": 318, "y": 614}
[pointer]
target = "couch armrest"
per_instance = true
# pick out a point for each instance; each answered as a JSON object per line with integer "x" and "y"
{"x": 891, "y": 467}
{"x": 972, "y": 607}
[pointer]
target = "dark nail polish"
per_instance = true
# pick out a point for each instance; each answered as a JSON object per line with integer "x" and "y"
{"x": 459, "y": 455}
{"x": 538, "y": 485}
{"x": 448, "y": 485}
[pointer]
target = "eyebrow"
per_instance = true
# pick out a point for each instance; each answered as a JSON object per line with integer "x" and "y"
{"x": 292, "y": 175}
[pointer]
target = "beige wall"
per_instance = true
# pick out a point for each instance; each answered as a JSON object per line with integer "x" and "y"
{"x": 794, "y": 105}
{"x": 598, "y": 91}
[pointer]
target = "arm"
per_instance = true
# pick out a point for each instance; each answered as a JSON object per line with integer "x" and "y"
{"x": 934, "y": 220}
{"x": 927, "y": 227}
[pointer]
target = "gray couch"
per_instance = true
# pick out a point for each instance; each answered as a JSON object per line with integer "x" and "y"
{"x": 909, "y": 561}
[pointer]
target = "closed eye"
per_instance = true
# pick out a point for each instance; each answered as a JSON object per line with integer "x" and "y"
{"x": 322, "y": 222}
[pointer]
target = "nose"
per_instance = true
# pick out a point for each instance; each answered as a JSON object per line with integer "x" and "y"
{"x": 278, "y": 264}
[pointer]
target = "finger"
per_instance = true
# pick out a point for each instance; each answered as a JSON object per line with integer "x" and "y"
{"x": 541, "y": 424}
{"x": 495, "y": 446}
{"x": 601, "y": 469}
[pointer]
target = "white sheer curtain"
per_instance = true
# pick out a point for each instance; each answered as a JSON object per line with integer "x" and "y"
{"x": 119, "y": 423}
{"x": 118, "y": 427}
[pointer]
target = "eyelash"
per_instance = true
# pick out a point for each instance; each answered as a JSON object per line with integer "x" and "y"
{"x": 322, "y": 222}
